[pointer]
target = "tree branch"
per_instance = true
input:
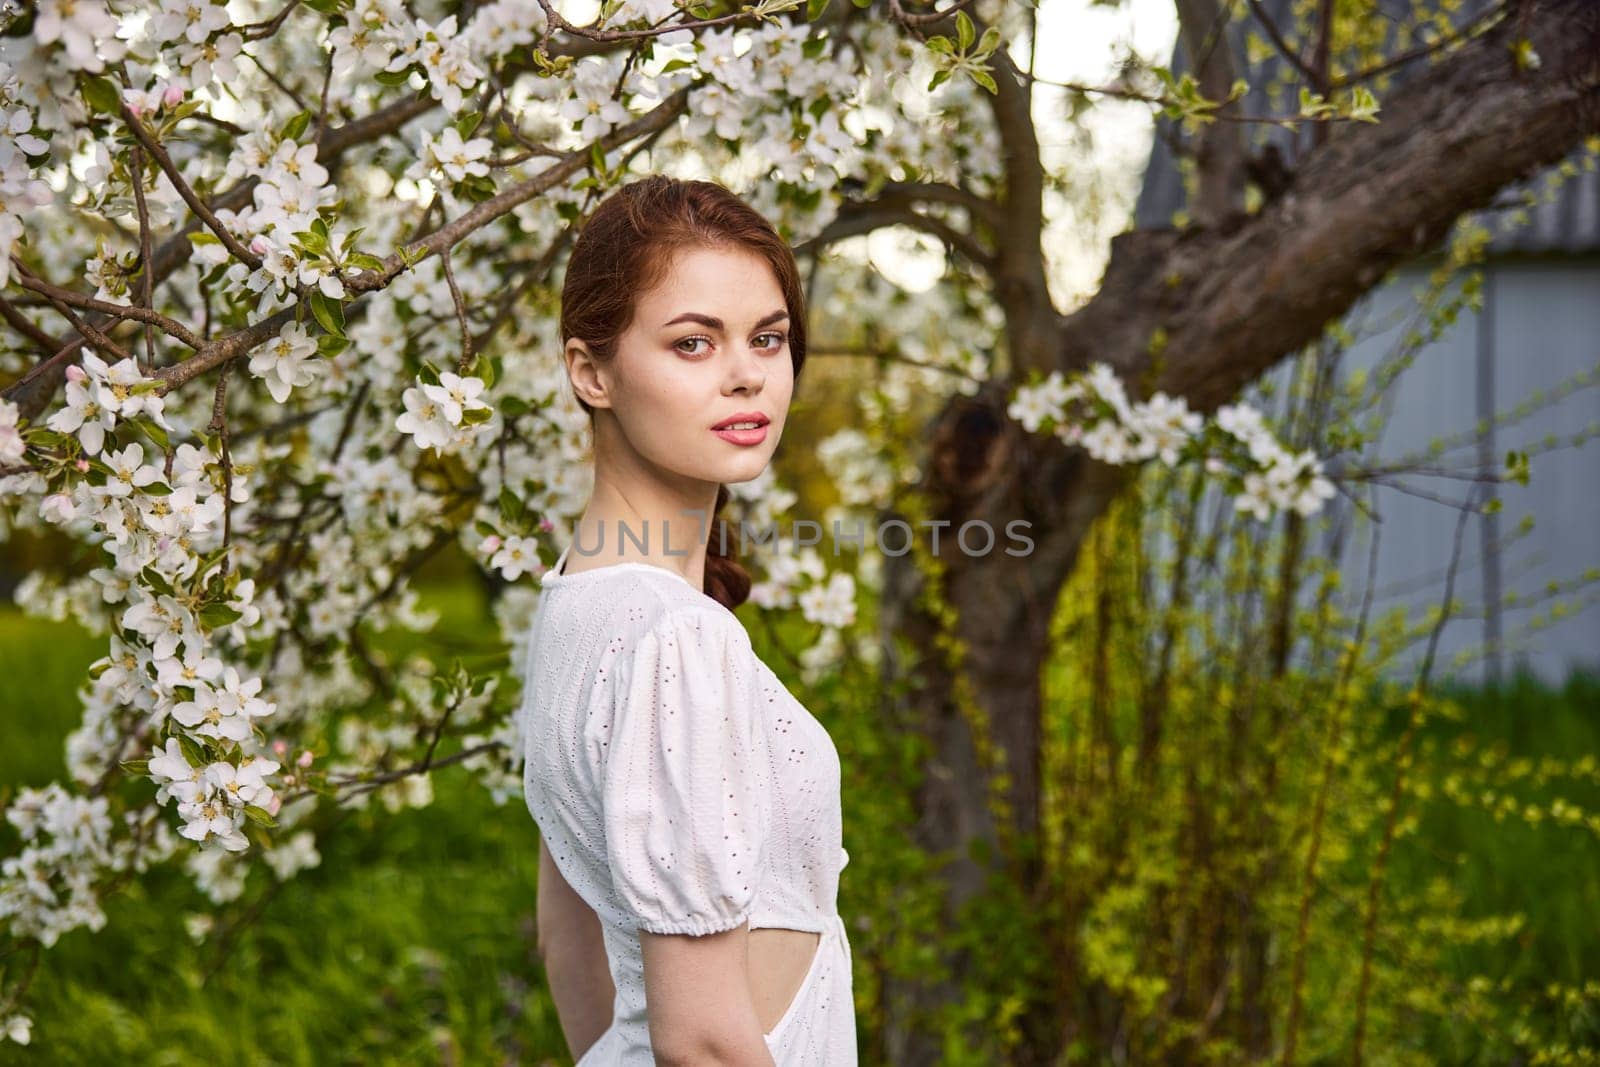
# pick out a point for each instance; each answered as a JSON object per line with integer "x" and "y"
{"x": 198, "y": 206}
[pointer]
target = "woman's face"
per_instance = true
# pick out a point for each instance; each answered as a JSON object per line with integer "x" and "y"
{"x": 707, "y": 346}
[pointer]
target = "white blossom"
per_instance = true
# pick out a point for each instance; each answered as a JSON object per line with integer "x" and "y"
{"x": 12, "y": 446}
{"x": 832, "y": 603}
{"x": 86, "y": 29}
{"x": 425, "y": 420}
{"x": 17, "y": 1028}
{"x": 516, "y": 557}
{"x": 287, "y": 362}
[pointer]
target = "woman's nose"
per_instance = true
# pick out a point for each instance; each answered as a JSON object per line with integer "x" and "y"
{"x": 748, "y": 372}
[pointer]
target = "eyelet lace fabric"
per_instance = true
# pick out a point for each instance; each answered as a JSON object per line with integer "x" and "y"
{"x": 681, "y": 788}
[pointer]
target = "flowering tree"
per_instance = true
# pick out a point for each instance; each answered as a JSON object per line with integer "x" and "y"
{"x": 279, "y": 292}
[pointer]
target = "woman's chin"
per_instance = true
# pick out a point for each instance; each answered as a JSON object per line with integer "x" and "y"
{"x": 746, "y": 468}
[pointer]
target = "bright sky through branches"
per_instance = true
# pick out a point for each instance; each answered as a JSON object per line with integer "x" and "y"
{"x": 1098, "y": 162}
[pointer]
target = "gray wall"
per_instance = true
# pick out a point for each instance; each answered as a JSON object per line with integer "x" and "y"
{"x": 1539, "y": 326}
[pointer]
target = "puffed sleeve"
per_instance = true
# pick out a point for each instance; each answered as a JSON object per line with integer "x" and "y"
{"x": 685, "y": 797}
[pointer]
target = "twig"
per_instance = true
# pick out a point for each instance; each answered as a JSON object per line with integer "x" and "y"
{"x": 917, "y": 20}
{"x": 86, "y": 330}
{"x": 14, "y": 317}
{"x": 461, "y": 311}
{"x": 1402, "y": 762}
{"x": 219, "y": 426}
{"x": 159, "y": 154}
{"x": 146, "y": 289}
{"x": 117, "y": 311}
{"x": 267, "y": 28}
{"x": 553, "y": 18}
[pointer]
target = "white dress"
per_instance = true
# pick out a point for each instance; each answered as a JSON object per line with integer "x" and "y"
{"x": 681, "y": 788}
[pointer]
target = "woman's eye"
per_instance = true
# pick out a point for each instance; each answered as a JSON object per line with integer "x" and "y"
{"x": 690, "y": 341}
{"x": 777, "y": 340}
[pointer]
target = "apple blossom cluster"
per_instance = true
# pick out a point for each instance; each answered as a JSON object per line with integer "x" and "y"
{"x": 12, "y": 446}
{"x": 287, "y": 362}
{"x": 48, "y": 888}
{"x": 214, "y": 798}
{"x": 98, "y": 395}
{"x": 1121, "y": 431}
{"x": 284, "y": 228}
{"x": 380, "y": 35}
{"x": 446, "y": 153}
{"x": 444, "y": 415}
{"x": 21, "y": 190}
{"x": 152, "y": 521}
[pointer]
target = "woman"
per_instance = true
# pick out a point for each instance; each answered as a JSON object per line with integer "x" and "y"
{"x": 688, "y": 805}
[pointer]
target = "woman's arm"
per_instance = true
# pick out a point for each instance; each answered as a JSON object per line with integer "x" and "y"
{"x": 698, "y": 999}
{"x": 574, "y": 953}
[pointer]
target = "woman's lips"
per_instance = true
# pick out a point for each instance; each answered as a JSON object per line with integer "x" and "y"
{"x": 743, "y": 437}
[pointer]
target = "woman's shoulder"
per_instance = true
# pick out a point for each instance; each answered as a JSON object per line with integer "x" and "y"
{"x": 636, "y": 602}
{"x": 676, "y": 609}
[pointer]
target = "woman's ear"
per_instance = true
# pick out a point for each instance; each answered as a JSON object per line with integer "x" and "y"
{"x": 590, "y": 383}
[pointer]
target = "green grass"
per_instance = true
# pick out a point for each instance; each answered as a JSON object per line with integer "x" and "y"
{"x": 1548, "y": 873}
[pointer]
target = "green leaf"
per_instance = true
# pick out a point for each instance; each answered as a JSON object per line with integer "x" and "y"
{"x": 192, "y": 751}
{"x": 393, "y": 77}
{"x": 982, "y": 78}
{"x": 467, "y": 122}
{"x": 314, "y": 242}
{"x": 939, "y": 77}
{"x": 512, "y": 406}
{"x": 156, "y": 434}
{"x": 476, "y": 188}
{"x": 101, "y": 95}
{"x": 44, "y": 437}
{"x": 260, "y": 816}
{"x": 152, "y": 578}
{"x": 428, "y": 374}
{"x": 510, "y": 505}
{"x": 328, "y": 312}
{"x": 217, "y": 614}
{"x": 295, "y": 127}
{"x": 965, "y": 30}
{"x": 139, "y": 767}
{"x": 814, "y": 9}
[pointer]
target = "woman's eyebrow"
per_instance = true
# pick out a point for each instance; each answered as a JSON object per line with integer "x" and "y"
{"x": 716, "y": 324}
